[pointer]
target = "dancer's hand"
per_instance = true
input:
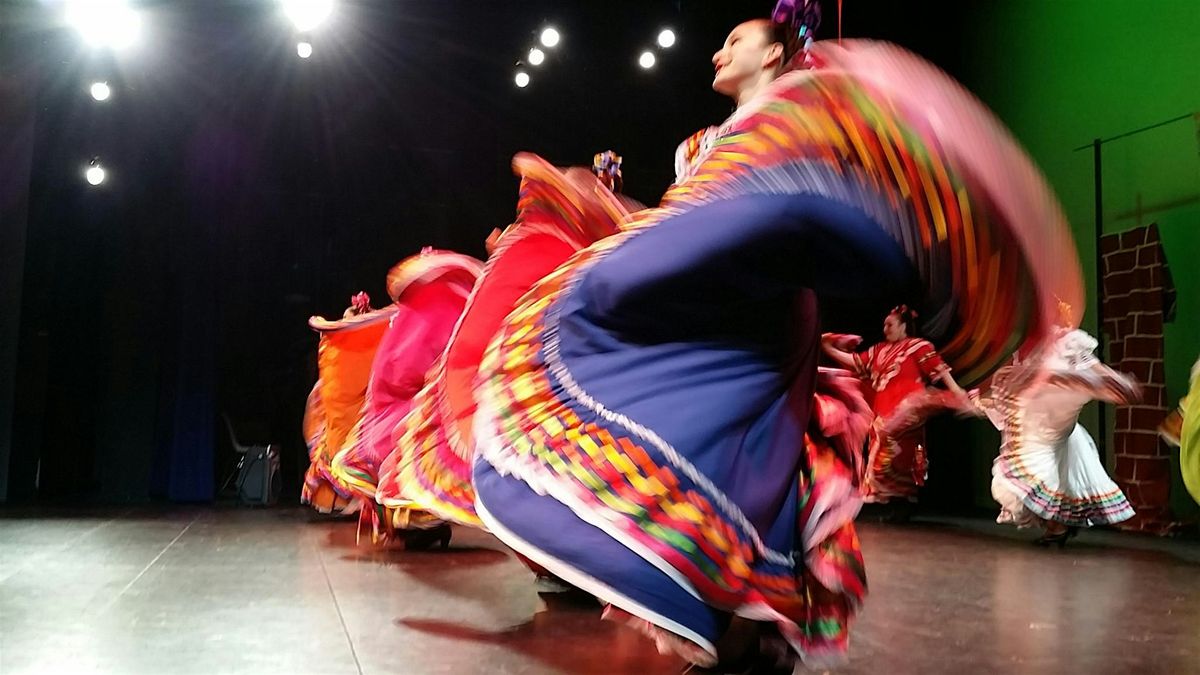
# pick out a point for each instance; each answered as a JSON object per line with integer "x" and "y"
{"x": 841, "y": 342}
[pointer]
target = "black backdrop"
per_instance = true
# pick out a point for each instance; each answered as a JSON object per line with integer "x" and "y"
{"x": 250, "y": 189}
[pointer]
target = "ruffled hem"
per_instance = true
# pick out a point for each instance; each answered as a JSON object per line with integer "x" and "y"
{"x": 1023, "y": 503}
{"x": 811, "y": 604}
{"x": 433, "y": 472}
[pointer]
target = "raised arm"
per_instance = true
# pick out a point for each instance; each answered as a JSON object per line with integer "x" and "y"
{"x": 1099, "y": 381}
{"x": 840, "y": 348}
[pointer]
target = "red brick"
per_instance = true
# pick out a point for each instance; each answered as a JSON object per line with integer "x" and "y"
{"x": 1153, "y": 394}
{"x": 1145, "y": 418}
{"x": 1143, "y": 347}
{"x": 1153, "y": 470}
{"x": 1149, "y": 255}
{"x": 1118, "y": 282}
{"x": 1152, "y": 234}
{"x": 1143, "y": 277}
{"x": 1125, "y": 468}
{"x": 1140, "y": 369}
{"x": 1156, "y": 277}
{"x": 1145, "y": 301}
{"x": 1116, "y": 352}
{"x": 1132, "y": 492}
{"x": 1150, "y": 324}
{"x": 1155, "y": 493}
{"x": 1133, "y": 238}
{"x": 1110, "y": 243}
{"x": 1118, "y": 262}
{"x": 1151, "y": 512}
{"x": 1143, "y": 443}
{"x": 1123, "y": 418}
{"x": 1116, "y": 306}
{"x": 1157, "y": 374}
{"x": 1148, "y": 519}
{"x": 1125, "y": 325}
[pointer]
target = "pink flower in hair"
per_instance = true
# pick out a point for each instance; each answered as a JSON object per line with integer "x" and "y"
{"x": 360, "y": 302}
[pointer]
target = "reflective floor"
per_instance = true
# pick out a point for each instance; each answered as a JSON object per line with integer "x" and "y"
{"x": 279, "y": 591}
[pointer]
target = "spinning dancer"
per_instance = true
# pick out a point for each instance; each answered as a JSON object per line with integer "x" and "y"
{"x": 651, "y": 424}
{"x": 427, "y": 478}
{"x": 1049, "y": 472}
{"x": 430, "y": 290}
{"x": 897, "y": 368}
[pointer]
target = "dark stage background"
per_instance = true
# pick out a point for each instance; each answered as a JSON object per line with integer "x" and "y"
{"x": 249, "y": 189}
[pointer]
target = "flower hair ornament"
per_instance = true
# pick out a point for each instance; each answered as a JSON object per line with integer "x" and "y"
{"x": 360, "y": 302}
{"x": 607, "y": 167}
{"x": 801, "y": 17}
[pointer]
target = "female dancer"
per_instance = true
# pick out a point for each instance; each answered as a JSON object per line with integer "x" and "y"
{"x": 344, "y": 357}
{"x": 896, "y": 369}
{"x": 1048, "y": 472}
{"x": 1182, "y": 429}
{"x": 652, "y": 426}
{"x": 426, "y": 480}
{"x": 430, "y": 290}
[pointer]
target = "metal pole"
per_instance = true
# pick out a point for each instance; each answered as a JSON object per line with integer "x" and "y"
{"x": 1097, "y": 144}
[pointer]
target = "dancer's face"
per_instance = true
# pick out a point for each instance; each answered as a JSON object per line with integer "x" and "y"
{"x": 746, "y": 54}
{"x": 894, "y": 329}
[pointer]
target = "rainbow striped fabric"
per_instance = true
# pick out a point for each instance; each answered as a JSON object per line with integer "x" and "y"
{"x": 559, "y": 211}
{"x": 878, "y": 131}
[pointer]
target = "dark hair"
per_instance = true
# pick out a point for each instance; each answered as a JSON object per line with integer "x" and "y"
{"x": 908, "y": 317}
{"x": 786, "y": 35}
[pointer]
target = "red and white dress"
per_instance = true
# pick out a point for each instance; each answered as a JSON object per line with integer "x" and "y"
{"x": 896, "y": 463}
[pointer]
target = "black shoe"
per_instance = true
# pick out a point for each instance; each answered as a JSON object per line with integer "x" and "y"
{"x": 900, "y": 511}
{"x": 768, "y": 655}
{"x": 423, "y": 540}
{"x": 1060, "y": 540}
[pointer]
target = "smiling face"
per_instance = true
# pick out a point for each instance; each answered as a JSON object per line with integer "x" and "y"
{"x": 747, "y": 54}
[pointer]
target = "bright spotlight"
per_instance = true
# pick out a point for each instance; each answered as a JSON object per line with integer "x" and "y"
{"x": 522, "y": 79}
{"x": 94, "y": 173}
{"x": 536, "y": 57}
{"x": 304, "y": 49}
{"x": 100, "y": 91}
{"x": 646, "y": 60}
{"x": 666, "y": 39}
{"x": 307, "y": 14}
{"x": 550, "y": 37}
{"x": 104, "y": 23}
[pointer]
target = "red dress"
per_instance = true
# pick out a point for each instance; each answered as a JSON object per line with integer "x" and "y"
{"x": 896, "y": 465}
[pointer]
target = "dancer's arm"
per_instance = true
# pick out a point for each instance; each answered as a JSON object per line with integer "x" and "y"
{"x": 937, "y": 370}
{"x": 838, "y": 347}
{"x": 1102, "y": 382}
{"x": 950, "y": 383}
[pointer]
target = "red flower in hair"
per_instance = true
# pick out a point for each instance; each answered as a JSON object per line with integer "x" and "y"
{"x": 361, "y": 302}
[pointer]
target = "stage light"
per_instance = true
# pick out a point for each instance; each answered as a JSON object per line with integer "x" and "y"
{"x": 304, "y": 49}
{"x": 647, "y": 60}
{"x": 104, "y": 23}
{"x": 666, "y": 39}
{"x": 536, "y": 57}
{"x": 550, "y": 37}
{"x": 95, "y": 173}
{"x": 522, "y": 79}
{"x": 307, "y": 14}
{"x": 100, "y": 91}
